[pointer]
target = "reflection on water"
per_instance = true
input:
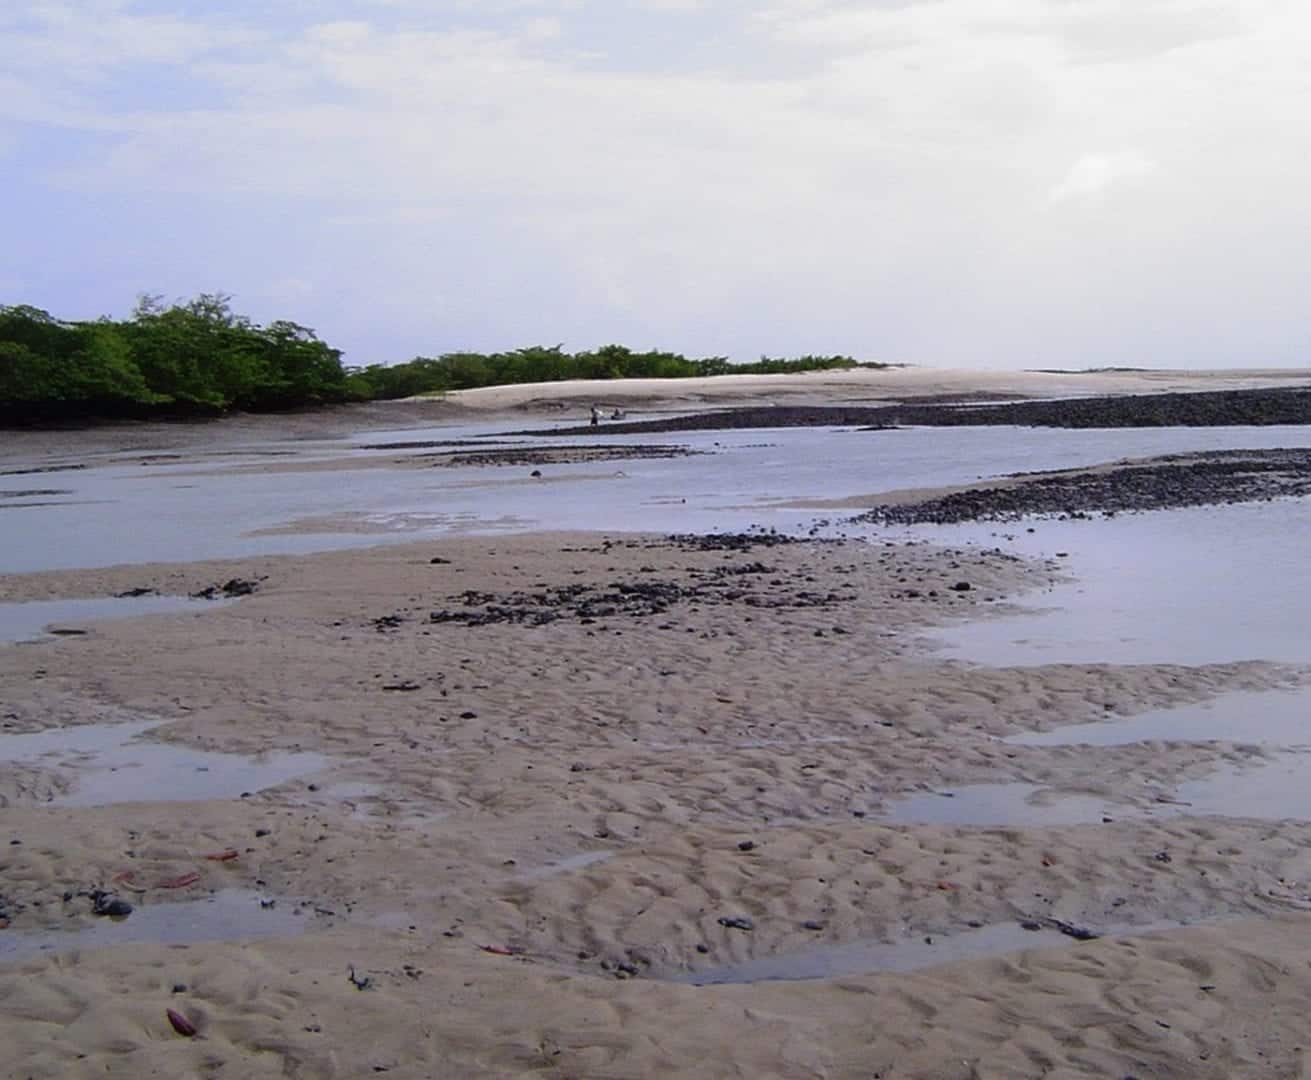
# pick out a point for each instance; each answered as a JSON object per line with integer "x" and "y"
{"x": 228, "y": 915}
{"x": 108, "y": 764}
{"x": 1206, "y": 585}
{"x": 1278, "y": 789}
{"x": 867, "y": 958}
{"x": 1275, "y": 717}
{"x": 566, "y": 865}
{"x": 30, "y": 621}
{"x": 1000, "y": 804}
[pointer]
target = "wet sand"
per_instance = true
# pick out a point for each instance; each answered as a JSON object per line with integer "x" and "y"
{"x": 567, "y": 776}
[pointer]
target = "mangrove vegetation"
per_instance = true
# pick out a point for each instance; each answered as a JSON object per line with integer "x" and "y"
{"x": 201, "y": 358}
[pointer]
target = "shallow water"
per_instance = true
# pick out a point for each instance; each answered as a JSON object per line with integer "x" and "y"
{"x": 1278, "y": 789}
{"x": 30, "y": 621}
{"x": 109, "y": 763}
{"x": 1207, "y": 585}
{"x": 867, "y": 958}
{"x": 228, "y": 915}
{"x": 1275, "y": 717}
{"x": 1002, "y": 804}
{"x": 739, "y": 482}
{"x": 566, "y": 865}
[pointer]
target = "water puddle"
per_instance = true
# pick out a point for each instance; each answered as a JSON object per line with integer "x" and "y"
{"x": 1002, "y": 804}
{"x": 40, "y": 620}
{"x": 228, "y": 915}
{"x": 1277, "y": 791}
{"x": 108, "y": 764}
{"x": 1275, "y": 717}
{"x": 566, "y": 865}
{"x": 1198, "y": 586}
{"x": 867, "y": 958}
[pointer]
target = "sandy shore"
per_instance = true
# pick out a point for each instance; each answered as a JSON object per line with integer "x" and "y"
{"x": 617, "y": 764}
{"x": 26, "y": 454}
{"x": 863, "y": 385}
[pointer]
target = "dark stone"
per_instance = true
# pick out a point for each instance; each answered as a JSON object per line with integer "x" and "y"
{"x": 736, "y": 922}
{"x": 747, "y": 845}
{"x": 103, "y": 903}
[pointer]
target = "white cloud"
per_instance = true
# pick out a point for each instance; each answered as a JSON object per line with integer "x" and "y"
{"x": 1094, "y": 175}
{"x": 840, "y": 172}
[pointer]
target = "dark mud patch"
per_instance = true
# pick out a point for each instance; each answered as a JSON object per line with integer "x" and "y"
{"x": 557, "y": 455}
{"x": 754, "y": 584}
{"x": 41, "y": 469}
{"x": 1210, "y": 408}
{"x": 768, "y": 416}
{"x": 1169, "y": 482}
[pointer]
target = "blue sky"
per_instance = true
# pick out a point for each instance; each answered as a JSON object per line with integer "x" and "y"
{"x": 963, "y": 183}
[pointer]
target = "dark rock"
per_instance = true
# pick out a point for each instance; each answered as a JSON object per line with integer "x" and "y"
{"x": 736, "y": 922}
{"x": 962, "y": 586}
{"x": 747, "y": 845}
{"x": 1079, "y": 933}
{"x": 103, "y": 903}
{"x": 231, "y": 589}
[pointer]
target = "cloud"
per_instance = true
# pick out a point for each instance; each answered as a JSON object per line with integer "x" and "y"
{"x": 1094, "y": 175}
{"x": 736, "y": 177}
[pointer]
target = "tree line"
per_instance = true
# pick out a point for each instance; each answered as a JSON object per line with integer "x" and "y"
{"x": 199, "y": 358}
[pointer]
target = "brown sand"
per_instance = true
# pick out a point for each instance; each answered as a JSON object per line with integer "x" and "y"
{"x": 579, "y": 794}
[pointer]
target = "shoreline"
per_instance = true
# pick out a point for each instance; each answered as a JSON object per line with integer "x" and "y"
{"x": 32, "y": 451}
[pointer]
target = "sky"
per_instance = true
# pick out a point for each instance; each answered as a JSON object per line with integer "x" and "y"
{"x": 950, "y": 183}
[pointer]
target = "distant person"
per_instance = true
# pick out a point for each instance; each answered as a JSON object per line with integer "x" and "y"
{"x": 596, "y": 416}
{"x": 618, "y": 414}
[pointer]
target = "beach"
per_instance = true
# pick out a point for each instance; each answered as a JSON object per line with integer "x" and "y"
{"x": 497, "y": 798}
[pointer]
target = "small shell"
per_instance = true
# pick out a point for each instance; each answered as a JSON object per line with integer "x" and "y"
{"x": 181, "y": 1024}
